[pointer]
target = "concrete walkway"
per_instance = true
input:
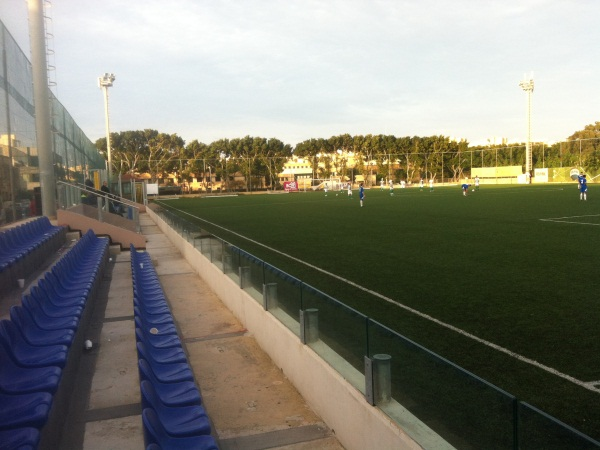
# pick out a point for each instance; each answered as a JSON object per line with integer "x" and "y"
{"x": 250, "y": 402}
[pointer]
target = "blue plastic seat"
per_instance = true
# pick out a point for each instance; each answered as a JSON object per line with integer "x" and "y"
{"x": 24, "y": 410}
{"x": 10, "y": 253}
{"x": 37, "y": 336}
{"x": 35, "y": 313}
{"x": 154, "y": 319}
{"x": 156, "y": 296}
{"x": 183, "y": 393}
{"x": 164, "y": 328}
{"x": 152, "y": 307}
{"x": 71, "y": 279}
{"x": 142, "y": 268}
{"x": 67, "y": 289}
{"x": 157, "y": 340}
{"x": 34, "y": 302}
{"x": 145, "y": 285}
{"x": 18, "y": 240}
{"x": 26, "y": 355}
{"x": 20, "y": 380}
{"x": 170, "y": 373}
{"x": 154, "y": 433}
{"x": 161, "y": 355}
{"x": 19, "y": 439}
{"x": 178, "y": 421}
{"x": 45, "y": 289}
{"x": 147, "y": 274}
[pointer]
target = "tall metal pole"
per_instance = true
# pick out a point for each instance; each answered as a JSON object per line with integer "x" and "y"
{"x": 527, "y": 86}
{"x": 41, "y": 96}
{"x": 104, "y": 82}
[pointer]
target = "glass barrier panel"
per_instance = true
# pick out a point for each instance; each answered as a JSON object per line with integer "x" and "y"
{"x": 539, "y": 430}
{"x": 205, "y": 244}
{"x": 190, "y": 232}
{"x": 342, "y": 334}
{"x": 232, "y": 253}
{"x": 185, "y": 230}
{"x": 208, "y": 247}
{"x": 197, "y": 237}
{"x": 180, "y": 224}
{"x": 252, "y": 269}
{"x": 227, "y": 257}
{"x": 216, "y": 252}
{"x": 462, "y": 408}
{"x": 169, "y": 218}
{"x": 285, "y": 298}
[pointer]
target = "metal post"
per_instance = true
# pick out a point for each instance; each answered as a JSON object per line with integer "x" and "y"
{"x": 244, "y": 272}
{"x": 227, "y": 261}
{"x": 136, "y": 219}
{"x": 382, "y": 379}
{"x": 309, "y": 325}
{"x": 99, "y": 201}
{"x": 211, "y": 250}
{"x": 270, "y": 296}
{"x": 378, "y": 379}
{"x": 42, "y": 107}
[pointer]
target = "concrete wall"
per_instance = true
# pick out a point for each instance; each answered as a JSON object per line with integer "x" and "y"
{"x": 118, "y": 232}
{"x": 317, "y": 382}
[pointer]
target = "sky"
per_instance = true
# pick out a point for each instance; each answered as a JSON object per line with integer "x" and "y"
{"x": 301, "y": 69}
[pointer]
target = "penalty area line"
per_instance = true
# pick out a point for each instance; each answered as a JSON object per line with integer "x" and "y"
{"x": 566, "y": 220}
{"x": 532, "y": 362}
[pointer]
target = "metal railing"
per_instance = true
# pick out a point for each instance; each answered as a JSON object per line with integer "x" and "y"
{"x": 107, "y": 208}
{"x": 394, "y": 373}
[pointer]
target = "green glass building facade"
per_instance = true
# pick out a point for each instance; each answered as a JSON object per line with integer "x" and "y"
{"x": 74, "y": 155}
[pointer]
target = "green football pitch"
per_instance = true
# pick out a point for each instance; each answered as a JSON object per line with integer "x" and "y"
{"x": 504, "y": 280}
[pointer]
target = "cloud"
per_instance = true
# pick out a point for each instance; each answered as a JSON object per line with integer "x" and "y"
{"x": 313, "y": 68}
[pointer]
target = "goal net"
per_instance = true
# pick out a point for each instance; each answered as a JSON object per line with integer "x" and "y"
{"x": 320, "y": 184}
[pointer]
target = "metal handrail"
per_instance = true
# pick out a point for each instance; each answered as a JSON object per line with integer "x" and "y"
{"x": 71, "y": 194}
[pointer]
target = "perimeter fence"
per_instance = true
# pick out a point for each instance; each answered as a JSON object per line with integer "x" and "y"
{"x": 399, "y": 376}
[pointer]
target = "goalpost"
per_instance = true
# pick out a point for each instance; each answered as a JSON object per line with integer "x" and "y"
{"x": 319, "y": 184}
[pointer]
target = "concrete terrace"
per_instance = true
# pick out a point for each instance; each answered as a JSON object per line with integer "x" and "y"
{"x": 250, "y": 402}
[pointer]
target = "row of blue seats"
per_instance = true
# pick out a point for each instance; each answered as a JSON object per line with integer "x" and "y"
{"x": 172, "y": 413}
{"x": 24, "y": 247}
{"x": 37, "y": 343}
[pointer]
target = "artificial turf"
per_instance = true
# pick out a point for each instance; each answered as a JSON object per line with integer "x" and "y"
{"x": 513, "y": 265}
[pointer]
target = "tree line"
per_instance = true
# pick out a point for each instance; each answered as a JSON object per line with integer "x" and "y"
{"x": 260, "y": 160}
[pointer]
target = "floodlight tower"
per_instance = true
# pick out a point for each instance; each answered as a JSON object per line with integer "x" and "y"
{"x": 104, "y": 82}
{"x": 527, "y": 86}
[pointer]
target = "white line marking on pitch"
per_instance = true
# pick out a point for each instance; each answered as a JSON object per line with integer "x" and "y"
{"x": 562, "y": 220}
{"x": 589, "y": 386}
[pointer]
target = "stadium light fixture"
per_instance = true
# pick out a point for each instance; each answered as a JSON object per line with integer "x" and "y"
{"x": 527, "y": 86}
{"x": 104, "y": 82}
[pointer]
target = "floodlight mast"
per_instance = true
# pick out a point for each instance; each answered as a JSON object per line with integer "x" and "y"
{"x": 527, "y": 86}
{"x": 104, "y": 82}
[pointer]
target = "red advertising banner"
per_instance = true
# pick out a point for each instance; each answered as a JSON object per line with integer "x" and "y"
{"x": 290, "y": 186}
